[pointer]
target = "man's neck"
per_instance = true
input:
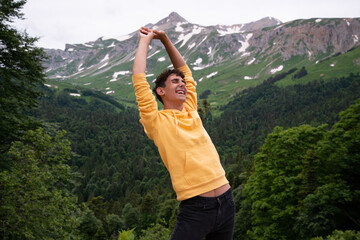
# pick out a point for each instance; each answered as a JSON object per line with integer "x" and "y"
{"x": 173, "y": 106}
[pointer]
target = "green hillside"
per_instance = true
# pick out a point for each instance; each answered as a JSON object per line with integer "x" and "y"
{"x": 230, "y": 78}
{"x": 328, "y": 69}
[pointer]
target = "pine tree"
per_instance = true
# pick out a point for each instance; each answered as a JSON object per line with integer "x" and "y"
{"x": 21, "y": 75}
{"x": 36, "y": 201}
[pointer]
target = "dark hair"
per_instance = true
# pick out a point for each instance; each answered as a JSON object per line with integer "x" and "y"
{"x": 161, "y": 79}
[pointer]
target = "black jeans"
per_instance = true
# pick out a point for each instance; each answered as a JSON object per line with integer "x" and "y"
{"x": 210, "y": 217}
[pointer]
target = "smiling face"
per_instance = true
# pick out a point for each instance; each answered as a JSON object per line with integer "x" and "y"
{"x": 174, "y": 93}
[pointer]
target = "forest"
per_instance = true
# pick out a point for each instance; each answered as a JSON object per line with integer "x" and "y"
{"x": 83, "y": 168}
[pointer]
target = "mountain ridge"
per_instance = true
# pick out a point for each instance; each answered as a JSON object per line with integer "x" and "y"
{"x": 228, "y": 58}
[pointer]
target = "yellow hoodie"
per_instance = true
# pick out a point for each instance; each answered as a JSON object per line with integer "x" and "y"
{"x": 184, "y": 145}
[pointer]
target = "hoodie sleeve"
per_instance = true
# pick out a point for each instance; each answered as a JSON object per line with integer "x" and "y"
{"x": 191, "y": 98}
{"x": 147, "y": 104}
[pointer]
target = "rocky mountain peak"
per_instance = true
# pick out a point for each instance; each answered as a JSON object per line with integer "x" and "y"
{"x": 172, "y": 18}
{"x": 262, "y": 23}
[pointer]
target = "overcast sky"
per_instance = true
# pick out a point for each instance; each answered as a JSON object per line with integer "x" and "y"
{"x": 57, "y": 22}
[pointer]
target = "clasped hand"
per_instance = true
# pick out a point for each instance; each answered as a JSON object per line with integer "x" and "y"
{"x": 150, "y": 34}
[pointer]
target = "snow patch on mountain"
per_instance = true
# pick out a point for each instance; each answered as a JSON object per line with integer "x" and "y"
{"x": 278, "y": 69}
{"x": 88, "y": 45}
{"x": 184, "y": 38}
{"x": 178, "y": 27}
{"x": 48, "y": 85}
{"x": 280, "y": 26}
{"x": 198, "y": 68}
{"x": 251, "y": 61}
{"x": 153, "y": 54}
{"x": 162, "y": 59}
{"x": 347, "y": 22}
{"x": 230, "y": 30}
{"x": 198, "y": 61}
{"x": 120, "y": 39}
{"x": 105, "y": 58}
{"x": 245, "y": 44}
{"x": 80, "y": 68}
{"x": 116, "y": 74}
{"x": 103, "y": 65}
{"x": 355, "y": 38}
{"x": 197, "y": 64}
{"x": 211, "y": 74}
{"x": 191, "y": 45}
{"x": 111, "y": 45}
{"x": 203, "y": 40}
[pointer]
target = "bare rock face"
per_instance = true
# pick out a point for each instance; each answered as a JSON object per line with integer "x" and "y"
{"x": 308, "y": 37}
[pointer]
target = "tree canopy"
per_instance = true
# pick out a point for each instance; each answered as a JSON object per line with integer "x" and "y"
{"x": 306, "y": 182}
{"x": 36, "y": 200}
{"x": 21, "y": 75}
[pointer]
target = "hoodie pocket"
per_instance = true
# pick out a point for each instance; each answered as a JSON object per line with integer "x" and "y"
{"x": 202, "y": 165}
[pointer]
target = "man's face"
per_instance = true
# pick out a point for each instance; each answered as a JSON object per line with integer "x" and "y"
{"x": 175, "y": 90}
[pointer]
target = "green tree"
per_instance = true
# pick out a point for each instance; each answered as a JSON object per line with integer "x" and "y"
{"x": 97, "y": 205}
{"x": 35, "y": 199}
{"x": 334, "y": 204}
{"x": 205, "y": 111}
{"x": 114, "y": 223}
{"x": 273, "y": 189}
{"x": 101, "y": 234}
{"x": 148, "y": 211}
{"x": 130, "y": 216}
{"x": 341, "y": 235}
{"x": 301, "y": 73}
{"x": 157, "y": 231}
{"x": 305, "y": 182}
{"x": 21, "y": 76}
{"x": 89, "y": 224}
{"x": 168, "y": 211}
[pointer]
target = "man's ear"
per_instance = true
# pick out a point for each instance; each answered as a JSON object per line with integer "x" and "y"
{"x": 160, "y": 91}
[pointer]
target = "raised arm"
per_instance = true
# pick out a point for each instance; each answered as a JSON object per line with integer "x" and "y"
{"x": 175, "y": 57}
{"x": 146, "y": 35}
{"x": 146, "y": 101}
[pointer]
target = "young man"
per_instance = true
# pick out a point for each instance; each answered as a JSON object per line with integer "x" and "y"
{"x": 207, "y": 207}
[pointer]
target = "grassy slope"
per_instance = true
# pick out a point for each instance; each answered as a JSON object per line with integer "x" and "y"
{"x": 230, "y": 77}
{"x": 343, "y": 65}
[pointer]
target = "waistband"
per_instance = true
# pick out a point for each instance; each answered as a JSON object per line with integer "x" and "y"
{"x": 198, "y": 200}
